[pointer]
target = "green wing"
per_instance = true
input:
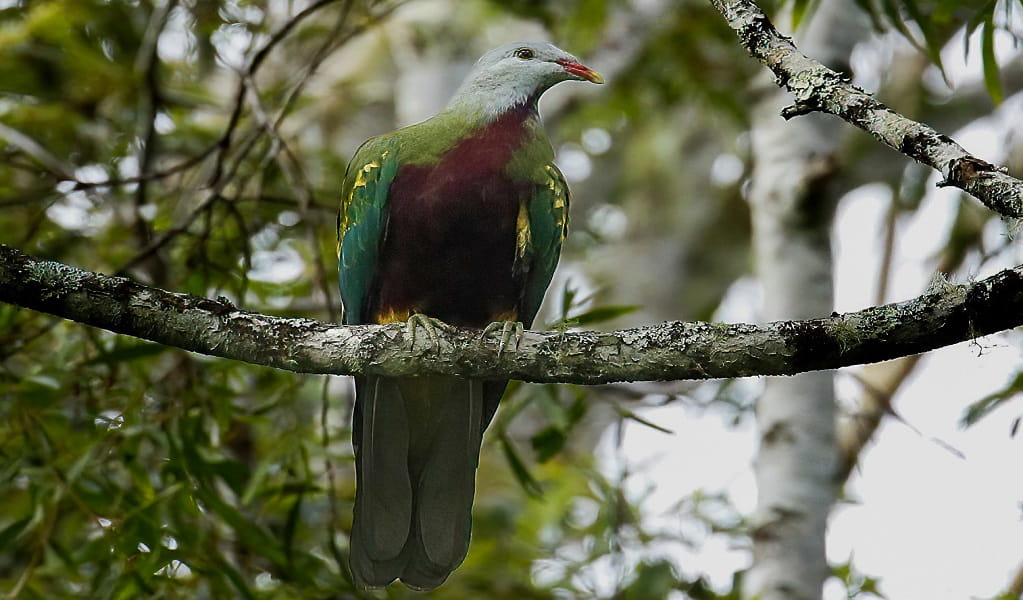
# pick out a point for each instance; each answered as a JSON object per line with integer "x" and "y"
{"x": 361, "y": 223}
{"x": 542, "y": 227}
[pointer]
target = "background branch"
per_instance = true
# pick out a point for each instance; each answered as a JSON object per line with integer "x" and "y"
{"x": 818, "y": 88}
{"x": 666, "y": 351}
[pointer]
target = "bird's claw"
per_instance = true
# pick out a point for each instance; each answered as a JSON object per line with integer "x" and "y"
{"x": 429, "y": 325}
{"x": 509, "y": 330}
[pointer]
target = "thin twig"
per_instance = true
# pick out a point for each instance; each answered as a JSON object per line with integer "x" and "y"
{"x": 34, "y": 149}
{"x": 292, "y": 169}
{"x": 223, "y": 142}
{"x": 147, "y": 63}
{"x": 666, "y": 351}
{"x": 819, "y": 89}
{"x": 221, "y": 174}
{"x": 204, "y": 205}
{"x": 247, "y": 76}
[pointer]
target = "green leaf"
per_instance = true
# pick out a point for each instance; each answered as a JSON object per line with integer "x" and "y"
{"x": 987, "y": 50}
{"x": 653, "y": 580}
{"x": 979, "y": 17}
{"x": 292, "y": 523}
{"x": 76, "y": 468}
{"x": 235, "y": 577}
{"x": 594, "y": 315}
{"x": 164, "y": 494}
{"x": 628, "y": 414}
{"x": 867, "y": 6}
{"x": 568, "y": 298}
{"x": 548, "y": 443}
{"x": 249, "y": 533}
{"x": 800, "y": 9}
{"x": 981, "y": 408}
{"x": 891, "y": 10}
{"x": 519, "y": 469}
{"x": 931, "y": 46}
{"x": 604, "y": 313}
{"x": 932, "y": 42}
{"x": 945, "y": 11}
{"x": 578, "y": 409}
{"x": 127, "y": 352}
{"x": 10, "y": 534}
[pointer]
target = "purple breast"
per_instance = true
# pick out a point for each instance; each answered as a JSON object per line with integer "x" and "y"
{"x": 449, "y": 246}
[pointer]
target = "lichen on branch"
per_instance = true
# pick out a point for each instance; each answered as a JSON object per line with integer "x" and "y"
{"x": 665, "y": 351}
{"x": 816, "y": 88}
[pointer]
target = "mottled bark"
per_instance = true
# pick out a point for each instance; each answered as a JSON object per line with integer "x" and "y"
{"x": 818, "y": 88}
{"x": 793, "y": 198}
{"x": 666, "y": 351}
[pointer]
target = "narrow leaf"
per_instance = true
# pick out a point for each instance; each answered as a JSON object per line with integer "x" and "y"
{"x": 291, "y": 525}
{"x": 567, "y": 298}
{"x": 987, "y": 51}
{"x": 981, "y": 408}
{"x": 867, "y": 6}
{"x": 603, "y": 313}
{"x": 799, "y": 10}
{"x": 931, "y": 41}
{"x": 891, "y": 10}
{"x": 979, "y": 17}
{"x": 628, "y": 414}
{"x": 235, "y": 578}
{"x": 11, "y": 533}
{"x": 548, "y": 443}
{"x": 128, "y": 352}
{"x": 520, "y": 470}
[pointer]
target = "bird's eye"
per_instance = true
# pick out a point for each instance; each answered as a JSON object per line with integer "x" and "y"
{"x": 524, "y": 53}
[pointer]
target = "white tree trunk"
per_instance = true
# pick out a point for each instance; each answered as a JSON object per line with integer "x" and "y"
{"x": 792, "y": 207}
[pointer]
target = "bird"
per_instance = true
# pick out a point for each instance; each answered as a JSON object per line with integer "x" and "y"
{"x": 455, "y": 221}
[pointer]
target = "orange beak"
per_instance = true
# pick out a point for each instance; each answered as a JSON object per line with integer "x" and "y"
{"x": 581, "y": 71}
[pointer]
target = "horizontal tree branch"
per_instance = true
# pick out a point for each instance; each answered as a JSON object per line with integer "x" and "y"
{"x": 818, "y": 88}
{"x": 666, "y": 351}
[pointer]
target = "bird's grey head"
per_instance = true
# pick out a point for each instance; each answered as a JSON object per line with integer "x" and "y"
{"x": 517, "y": 73}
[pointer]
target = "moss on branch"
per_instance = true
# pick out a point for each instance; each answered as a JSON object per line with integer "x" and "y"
{"x": 816, "y": 88}
{"x": 665, "y": 351}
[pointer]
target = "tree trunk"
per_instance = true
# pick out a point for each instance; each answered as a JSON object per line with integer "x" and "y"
{"x": 793, "y": 205}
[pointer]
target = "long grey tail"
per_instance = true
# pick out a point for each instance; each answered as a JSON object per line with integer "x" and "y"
{"x": 417, "y": 445}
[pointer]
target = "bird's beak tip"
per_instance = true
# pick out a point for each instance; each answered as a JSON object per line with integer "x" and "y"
{"x": 581, "y": 71}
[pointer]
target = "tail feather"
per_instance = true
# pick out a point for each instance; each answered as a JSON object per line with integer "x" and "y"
{"x": 435, "y": 426}
{"x": 447, "y": 484}
{"x": 383, "y": 504}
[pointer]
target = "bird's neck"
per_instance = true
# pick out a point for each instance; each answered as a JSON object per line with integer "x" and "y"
{"x": 490, "y": 144}
{"x": 474, "y": 119}
{"x": 482, "y": 104}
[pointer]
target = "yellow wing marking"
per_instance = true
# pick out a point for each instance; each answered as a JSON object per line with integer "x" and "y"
{"x": 360, "y": 179}
{"x": 391, "y": 315}
{"x": 560, "y": 204}
{"x": 506, "y": 315}
{"x": 344, "y": 216}
{"x": 523, "y": 234}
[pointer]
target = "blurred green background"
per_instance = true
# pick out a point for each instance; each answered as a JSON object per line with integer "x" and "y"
{"x": 199, "y": 146}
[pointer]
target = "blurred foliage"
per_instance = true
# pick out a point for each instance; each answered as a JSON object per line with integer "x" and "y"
{"x": 858, "y": 586}
{"x": 198, "y": 145}
{"x": 928, "y": 25}
{"x": 983, "y": 407}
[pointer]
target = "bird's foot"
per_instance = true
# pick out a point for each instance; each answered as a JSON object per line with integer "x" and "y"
{"x": 509, "y": 330}
{"x": 427, "y": 324}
